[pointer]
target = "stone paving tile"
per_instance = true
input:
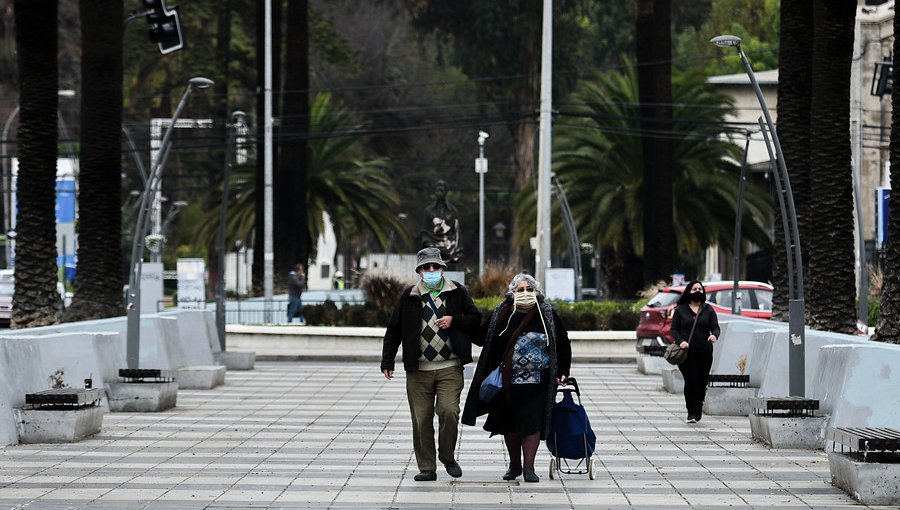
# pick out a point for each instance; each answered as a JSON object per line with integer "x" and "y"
{"x": 337, "y": 435}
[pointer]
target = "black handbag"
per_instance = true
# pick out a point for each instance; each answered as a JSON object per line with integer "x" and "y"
{"x": 674, "y": 354}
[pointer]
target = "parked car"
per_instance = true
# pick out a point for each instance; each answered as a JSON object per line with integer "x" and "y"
{"x": 653, "y": 331}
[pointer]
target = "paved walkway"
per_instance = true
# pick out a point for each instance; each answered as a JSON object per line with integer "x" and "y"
{"x": 337, "y": 435}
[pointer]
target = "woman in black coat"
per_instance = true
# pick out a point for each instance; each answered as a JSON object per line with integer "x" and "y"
{"x": 527, "y": 335}
{"x": 695, "y": 368}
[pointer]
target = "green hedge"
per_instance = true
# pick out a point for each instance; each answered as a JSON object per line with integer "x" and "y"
{"x": 581, "y": 316}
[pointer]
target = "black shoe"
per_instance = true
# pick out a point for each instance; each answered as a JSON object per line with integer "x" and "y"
{"x": 531, "y": 476}
{"x": 691, "y": 419}
{"x": 512, "y": 473}
{"x": 425, "y": 476}
{"x": 453, "y": 468}
{"x": 698, "y": 416}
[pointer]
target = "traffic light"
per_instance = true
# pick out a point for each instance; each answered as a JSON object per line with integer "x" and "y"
{"x": 165, "y": 26}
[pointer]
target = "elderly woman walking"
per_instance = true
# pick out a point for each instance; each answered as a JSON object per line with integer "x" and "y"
{"x": 526, "y": 338}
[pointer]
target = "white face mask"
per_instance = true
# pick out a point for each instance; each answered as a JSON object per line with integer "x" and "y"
{"x": 525, "y": 299}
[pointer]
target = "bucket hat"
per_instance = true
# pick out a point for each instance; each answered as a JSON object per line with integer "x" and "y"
{"x": 429, "y": 255}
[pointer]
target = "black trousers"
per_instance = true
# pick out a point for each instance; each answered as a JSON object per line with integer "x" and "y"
{"x": 695, "y": 370}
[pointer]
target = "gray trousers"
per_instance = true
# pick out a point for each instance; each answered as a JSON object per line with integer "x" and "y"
{"x": 434, "y": 392}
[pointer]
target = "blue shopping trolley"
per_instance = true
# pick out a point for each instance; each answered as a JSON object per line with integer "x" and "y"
{"x": 570, "y": 436}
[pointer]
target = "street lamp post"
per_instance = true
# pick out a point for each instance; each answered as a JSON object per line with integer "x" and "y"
{"x": 736, "y": 293}
{"x": 238, "y": 118}
{"x": 133, "y": 296}
{"x": 481, "y": 168}
{"x": 796, "y": 302}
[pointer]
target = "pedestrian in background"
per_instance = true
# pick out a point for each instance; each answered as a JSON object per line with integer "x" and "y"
{"x": 434, "y": 321}
{"x": 525, "y": 337}
{"x": 296, "y": 286}
{"x": 691, "y": 308}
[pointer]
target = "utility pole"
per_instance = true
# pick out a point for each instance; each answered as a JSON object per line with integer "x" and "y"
{"x": 481, "y": 168}
{"x": 542, "y": 257}
{"x": 268, "y": 253}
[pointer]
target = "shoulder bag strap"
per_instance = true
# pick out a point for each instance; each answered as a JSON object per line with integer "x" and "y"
{"x": 691, "y": 335}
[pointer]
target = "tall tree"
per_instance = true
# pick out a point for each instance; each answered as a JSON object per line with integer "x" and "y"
{"x": 292, "y": 234}
{"x": 653, "y": 38}
{"x": 36, "y": 301}
{"x": 794, "y": 95}
{"x": 887, "y": 328}
{"x": 831, "y": 271}
{"x": 98, "y": 286}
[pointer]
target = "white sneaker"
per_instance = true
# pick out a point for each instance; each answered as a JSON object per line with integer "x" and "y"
{"x": 691, "y": 419}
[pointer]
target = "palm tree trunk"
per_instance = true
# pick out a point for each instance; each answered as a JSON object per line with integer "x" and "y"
{"x": 35, "y": 300}
{"x": 794, "y": 92}
{"x": 887, "y": 329}
{"x": 831, "y": 300}
{"x": 98, "y": 286}
{"x": 654, "y": 58}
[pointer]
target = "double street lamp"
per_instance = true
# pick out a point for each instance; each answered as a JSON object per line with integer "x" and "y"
{"x": 796, "y": 302}
{"x": 133, "y": 295}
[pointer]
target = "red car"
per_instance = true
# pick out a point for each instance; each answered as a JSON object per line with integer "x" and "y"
{"x": 653, "y": 330}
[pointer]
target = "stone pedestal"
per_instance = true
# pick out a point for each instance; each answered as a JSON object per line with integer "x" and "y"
{"x": 141, "y": 397}
{"x": 672, "y": 380}
{"x": 783, "y": 431}
{"x": 236, "y": 360}
{"x": 58, "y": 426}
{"x": 651, "y": 365}
{"x": 870, "y": 483}
{"x": 728, "y": 400}
{"x": 201, "y": 377}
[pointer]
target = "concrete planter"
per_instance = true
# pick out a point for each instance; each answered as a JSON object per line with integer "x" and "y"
{"x": 728, "y": 401}
{"x": 672, "y": 380}
{"x": 780, "y": 431}
{"x": 58, "y": 426}
{"x": 870, "y": 483}
{"x": 200, "y": 377}
{"x": 651, "y": 365}
{"x": 141, "y": 397}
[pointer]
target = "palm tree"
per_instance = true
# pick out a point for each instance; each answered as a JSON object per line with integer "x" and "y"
{"x": 98, "y": 287}
{"x": 35, "y": 299}
{"x": 598, "y": 156}
{"x": 831, "y": 275}
{"x": 794, "y": 94}
{"x": 355, "y": 192}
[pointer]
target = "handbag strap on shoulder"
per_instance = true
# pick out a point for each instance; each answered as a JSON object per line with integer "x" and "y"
{"x": 691, "y": 335}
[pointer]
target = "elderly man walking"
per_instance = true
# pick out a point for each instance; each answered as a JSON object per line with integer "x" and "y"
{"x": 433, "y": 320}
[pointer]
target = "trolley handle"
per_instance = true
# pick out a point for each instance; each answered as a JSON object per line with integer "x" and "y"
{"x": 570, "y": 381}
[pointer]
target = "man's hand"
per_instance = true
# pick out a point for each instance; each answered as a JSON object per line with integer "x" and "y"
{"x": 444, "y": 322}
{"x": 388, "y": 373}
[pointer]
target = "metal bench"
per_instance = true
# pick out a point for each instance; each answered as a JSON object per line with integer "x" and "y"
{"x": 146, "y": 375}
{"x": 784, "y": 406}
{"x": 728, "y": 380}
{"x": 868, "y": 444}
{"x": 64, "y": 398}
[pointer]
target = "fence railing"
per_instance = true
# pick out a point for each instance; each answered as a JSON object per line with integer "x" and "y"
{"x": 253, "y": 311}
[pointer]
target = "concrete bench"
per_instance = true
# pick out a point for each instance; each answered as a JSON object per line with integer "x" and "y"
{"x": 143, "y": 390}
{"x": 787, "y": 422}
{"x": 870, "y": 470}
{"x": 728, "y": 395}
{"x": 60, "y": 415}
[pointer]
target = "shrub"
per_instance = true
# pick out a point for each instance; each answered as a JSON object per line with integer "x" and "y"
{"x": 493, "y": 282}
{"x": 382, "y": 290}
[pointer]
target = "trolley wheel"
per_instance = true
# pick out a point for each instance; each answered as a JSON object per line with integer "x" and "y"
{"x": 591, "y": 469}
{"x": 553, "y": 465}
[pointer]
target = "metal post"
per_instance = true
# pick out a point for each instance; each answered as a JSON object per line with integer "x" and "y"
{"x": 542, "y": 255}
{"x": 481, "y": 168}
{"x": 796, "y": 303}
{"x": 133, "y": 296}
{"x": 238, "y": 117}
{"x": 268, "y": 254}
{"x": 574, "y": 242}
{"x": 736, "y": 293}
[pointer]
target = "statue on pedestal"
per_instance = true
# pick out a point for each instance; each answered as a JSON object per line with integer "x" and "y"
{"x": 441, "y": 225}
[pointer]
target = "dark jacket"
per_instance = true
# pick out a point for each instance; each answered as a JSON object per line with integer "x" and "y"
{"x": 560, "y": 351}
{"x": 707, "y": 324}
{"x": 296, "y": 284}
{"x": 405, "y": 326}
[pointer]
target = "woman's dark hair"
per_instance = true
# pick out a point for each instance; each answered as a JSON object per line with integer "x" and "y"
{"x": 686, "y": 294}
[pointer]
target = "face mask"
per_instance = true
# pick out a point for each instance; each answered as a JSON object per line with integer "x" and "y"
{"x": 431, "y": 278}
{"x": 698, "y": 297}
{"x": 525, "y": 299}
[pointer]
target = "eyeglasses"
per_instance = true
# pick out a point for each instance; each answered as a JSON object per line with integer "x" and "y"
{"x": 431, "y": 267}
{"x": 523, "y": 289}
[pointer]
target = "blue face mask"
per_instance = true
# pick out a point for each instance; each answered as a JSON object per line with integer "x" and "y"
{"x": 431, "y": 278}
